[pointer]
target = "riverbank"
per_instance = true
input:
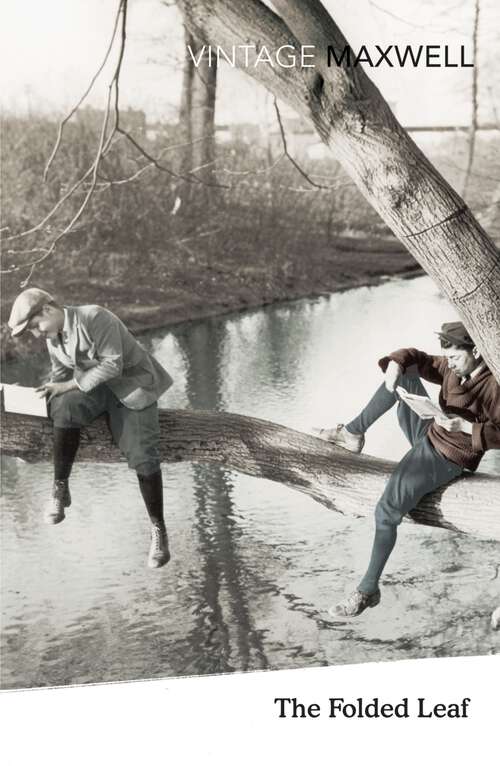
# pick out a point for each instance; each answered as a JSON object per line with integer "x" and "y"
{"x": 162, "y": 297}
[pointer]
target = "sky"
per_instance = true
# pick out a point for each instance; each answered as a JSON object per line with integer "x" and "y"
{"x": 50, "y": 49}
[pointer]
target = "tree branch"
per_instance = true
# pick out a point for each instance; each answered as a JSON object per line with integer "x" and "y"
{"x": 291, "y": 159}
{"x": 347, "y": 483}
{"x": 84, "y": 96}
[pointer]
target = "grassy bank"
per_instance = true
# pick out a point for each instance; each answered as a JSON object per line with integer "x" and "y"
{"x": 164, "y": 293}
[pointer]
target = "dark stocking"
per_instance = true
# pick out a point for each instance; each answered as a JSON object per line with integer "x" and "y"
{"x": 152, "y": 492}
{"x": 66, "y": 441}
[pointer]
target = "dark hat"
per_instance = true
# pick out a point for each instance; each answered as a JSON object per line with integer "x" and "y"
{"x": 27, "y": 304}
{"x": 455, "y": 332}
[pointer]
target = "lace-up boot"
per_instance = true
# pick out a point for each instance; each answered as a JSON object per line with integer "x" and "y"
{"x": 159, "y": 553}
{"x": 61, "y": 499}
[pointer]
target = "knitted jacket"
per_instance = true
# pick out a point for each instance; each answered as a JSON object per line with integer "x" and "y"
{"x": 476, "y": 400}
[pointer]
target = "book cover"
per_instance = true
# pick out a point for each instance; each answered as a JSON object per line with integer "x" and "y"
{"x": 272, "y": 198}
{"x": 23, "y": 400}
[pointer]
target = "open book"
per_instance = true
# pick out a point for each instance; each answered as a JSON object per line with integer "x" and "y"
{"x": 24, "y": 400}
{"x": 422, "y": 405}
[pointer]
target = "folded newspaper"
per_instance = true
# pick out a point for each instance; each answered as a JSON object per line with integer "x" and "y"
{"x": 422, "y": 405}
{"x": 24, "y": 400}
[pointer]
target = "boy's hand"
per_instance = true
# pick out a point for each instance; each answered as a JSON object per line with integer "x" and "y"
{"x": 50, "y": 390}
{"x": 454, "y": 424}
{"x": 392, "y": 375}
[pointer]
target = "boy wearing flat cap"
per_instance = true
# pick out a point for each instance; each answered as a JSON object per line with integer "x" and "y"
{"x": 441, "y": 449}
{"x": 98, "y": 367}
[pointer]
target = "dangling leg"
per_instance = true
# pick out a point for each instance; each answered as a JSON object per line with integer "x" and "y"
{"x": 69, "y": 412}
{"x": 152, "y": 493}
{"x": 137, "y": 433}
{"x": 66, "y": 442}
{"x": 421, "y": 471}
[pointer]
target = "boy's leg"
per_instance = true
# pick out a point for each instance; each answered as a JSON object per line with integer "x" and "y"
{"x": 137, "y": 433}
{"x": 352, "y": 435}
{"x": 382, "y": 401}
{"x": 421, "y": 471}
{"x": 413, "y": 426}
{"x": 66, "y": 443}
{"x": 69, "y": 412}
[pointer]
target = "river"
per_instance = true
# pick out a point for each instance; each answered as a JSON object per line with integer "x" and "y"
{"x": 256, "y": 566}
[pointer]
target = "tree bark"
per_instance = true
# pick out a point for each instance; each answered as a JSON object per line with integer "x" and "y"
{"x": 197, "y": 111}
{"x": 354, "y": 120}
{"x": 349, "y": 484}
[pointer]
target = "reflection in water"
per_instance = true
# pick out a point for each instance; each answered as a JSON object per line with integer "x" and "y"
{"x": 221, "y": 571}
{"x": 256, "y": 566}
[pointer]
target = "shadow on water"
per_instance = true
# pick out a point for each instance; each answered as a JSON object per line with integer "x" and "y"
{"x": 223, "y": 626}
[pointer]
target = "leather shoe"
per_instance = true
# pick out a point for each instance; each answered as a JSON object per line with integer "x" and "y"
{"x": 340, "y": 436}
{"x": 159, "y": 554}
{"x": 61, "y": 499}
{"x": 356, "y": 603}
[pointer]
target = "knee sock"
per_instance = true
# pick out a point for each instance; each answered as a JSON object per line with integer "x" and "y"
{"x": 152, "y": 493}
{"x": 385, "y": 539}
{"x": 66, "y": 441}
{"x": 381, "y": 401}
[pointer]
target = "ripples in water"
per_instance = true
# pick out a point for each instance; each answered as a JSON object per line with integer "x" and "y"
{"x": 256, "y": 566}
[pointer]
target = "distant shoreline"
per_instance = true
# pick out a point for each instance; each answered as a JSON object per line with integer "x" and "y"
{"x": 218, "y": 288}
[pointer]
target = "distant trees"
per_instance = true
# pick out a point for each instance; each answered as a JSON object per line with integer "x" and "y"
{"x": 197, "y": 110}
{"x": 259, "y": 215}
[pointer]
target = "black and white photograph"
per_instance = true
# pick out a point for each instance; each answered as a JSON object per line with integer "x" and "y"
{"x": 250, "y": 330}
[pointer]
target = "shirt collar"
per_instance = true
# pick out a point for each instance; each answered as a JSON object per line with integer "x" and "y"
{"x": 476, "y": 371}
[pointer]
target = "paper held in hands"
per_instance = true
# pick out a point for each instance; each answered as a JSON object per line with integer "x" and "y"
{"x": 422, "y": 405}
{"x": 24, "y": 400}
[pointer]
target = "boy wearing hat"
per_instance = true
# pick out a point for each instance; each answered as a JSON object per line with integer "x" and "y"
{"x": 98, "y": 367}
{"x": 441, "y": 449}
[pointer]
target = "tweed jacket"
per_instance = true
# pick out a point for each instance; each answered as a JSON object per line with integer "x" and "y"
{"x": 95, "y": 347}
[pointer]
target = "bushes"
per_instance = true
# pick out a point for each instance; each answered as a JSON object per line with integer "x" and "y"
{"x": 137, "y": 217}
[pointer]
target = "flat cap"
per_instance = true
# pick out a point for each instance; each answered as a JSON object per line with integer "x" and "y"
{"x": 455, "y": 332}
{"x": 27, "y": 304}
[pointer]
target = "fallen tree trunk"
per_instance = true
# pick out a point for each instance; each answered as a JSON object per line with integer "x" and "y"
{"x": 347, "y": 483}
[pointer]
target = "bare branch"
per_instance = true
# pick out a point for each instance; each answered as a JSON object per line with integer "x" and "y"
{"x": 159, "y": 166}
{"x": 60, "y": 202}
{"x": 292, "y": 160}
{"x": 54, "y": 210}
{"x": 108, "y": 182}
{"x": 26, "y": 252}
{"x": 260, "y": 171}
{"x": 104, "y": 143}
{"x": 115, "y": 82}
{"x": 435, "y": 27}
{"x": 397, "y": 18}
{"x": 474, "y": 117}
{"x": 475, "y": 173}
{"x": 83, "y": 97}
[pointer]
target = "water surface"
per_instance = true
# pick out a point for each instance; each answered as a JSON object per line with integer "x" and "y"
{"x": 256, "y": 565}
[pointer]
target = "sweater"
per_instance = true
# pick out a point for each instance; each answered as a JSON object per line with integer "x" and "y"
{"x": 476, "y": 400}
